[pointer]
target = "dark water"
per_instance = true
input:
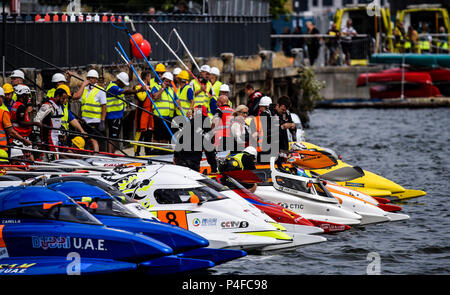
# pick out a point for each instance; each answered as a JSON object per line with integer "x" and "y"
{"x": 408, "y": 146}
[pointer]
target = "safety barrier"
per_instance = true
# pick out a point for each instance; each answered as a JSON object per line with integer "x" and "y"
{"x": 80, "y": 40}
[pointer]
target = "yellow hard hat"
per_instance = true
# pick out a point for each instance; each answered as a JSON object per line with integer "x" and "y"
{"x": 8, "y": 88}
{"x": 160, "y": 68}
{"x": 3, "y": 155}
{"x": 79, "y": 142}
{"x": 183, "y": 75}
{"x": 66, "y": 88}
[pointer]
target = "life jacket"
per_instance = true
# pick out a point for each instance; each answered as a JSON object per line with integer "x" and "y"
{"x": 90, "y": 108}
{"x": 3, "y": 135}
{"x": 184, "y": 103}
{"x": 232, "y": 162}
{"x": 114, "y": 104}
{"x": 22, "y": 130}
{"x": 165, "y": 103}
{"x": 144, "y": 121}
{"x": 223, "y": 131}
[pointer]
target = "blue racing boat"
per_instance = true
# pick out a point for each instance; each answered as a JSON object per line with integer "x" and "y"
{"x": 44, "y": 232}
{"x": 112, "y": 213}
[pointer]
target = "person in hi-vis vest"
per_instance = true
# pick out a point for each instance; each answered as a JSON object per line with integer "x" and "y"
{"x": 93, "y": 105}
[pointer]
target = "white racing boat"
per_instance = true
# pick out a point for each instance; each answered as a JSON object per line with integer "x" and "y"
{"x": 226, "y": 222}
{"x": 304, "y": 199}
{"x": 345, "y": 193}
{"x": 194, "y": 175}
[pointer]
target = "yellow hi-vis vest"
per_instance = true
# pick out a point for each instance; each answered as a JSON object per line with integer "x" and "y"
{"x": 216, "y": 87}
{"x": 183, "y": 101}
{"x": 202, "y": 98}
{"x": 236, "y": 161}
{"x": 90, "y": 108}
{"x": 65, "y": 117}
{"x": 165, "y": 103}
{"x": 51, "y": 93}
{"x": 114, "y": 104}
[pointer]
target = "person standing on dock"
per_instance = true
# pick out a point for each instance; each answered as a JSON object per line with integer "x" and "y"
{"x": 9, "y": 92}
{"x": 17, "y": 77}
{"x": 347, "y": 33}
{"x": 253, "y": 97}
{"x": 93, "y": 105}
{"x": 286, "y": 123}
{"x": 162, "y": 98}
{"x": 115, "y": 106}
{"x": 7, "y": 132}
{"x": 20, "y": 116}
{"x": 214, "y": 74}
{"x": 144, "y": 120}
{"x": 202, "y": 87}
{"x": 313, "y": 43}
{"x": 49, "y": 116}
{"x": 185, "y": 95}
{"x": 57, "y": 79}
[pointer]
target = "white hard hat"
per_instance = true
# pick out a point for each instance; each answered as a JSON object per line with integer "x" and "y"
{"x": 205, "y": 68}
{"x": 2, "y": 92}
{"x": 122, "y": 76}
{"x": 251, "y": 150}
{"x": 17, "y": 74}
{"x": 168, "y": 75}
{"x": 224, "y": 88}
{"x": 22, "y": 89}
{"x": 214, "y": 71}
{"x": 58, "y": 77}
{"x": 16, "y": 153}
{"x": 176, "y": 71}
{"x": 265, "y": 101}
{"x": 92, "y": 74}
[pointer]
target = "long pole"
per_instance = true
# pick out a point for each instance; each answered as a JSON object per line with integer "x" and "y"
{"x": 151, "y": 67}
{"x": 185, "y": 48}
{"x": 173, "y": 52}
{"x": 124, "y": 55}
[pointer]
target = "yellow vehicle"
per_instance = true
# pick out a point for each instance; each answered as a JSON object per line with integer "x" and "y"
{"x": 432, "y": 15}
{"x": 378, "y": 25}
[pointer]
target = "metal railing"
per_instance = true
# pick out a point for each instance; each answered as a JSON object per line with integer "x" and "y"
{"x": 330, "y": 50}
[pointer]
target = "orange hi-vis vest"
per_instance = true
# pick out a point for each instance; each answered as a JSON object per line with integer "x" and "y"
{"x": 224, "y": 129}
{"x": 23, "y": 131}
{"x": 3, "y": 136}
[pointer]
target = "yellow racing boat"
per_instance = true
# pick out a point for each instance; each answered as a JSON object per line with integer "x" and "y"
{"x": 366, "y": 182}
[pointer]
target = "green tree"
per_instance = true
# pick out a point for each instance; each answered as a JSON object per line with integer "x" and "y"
{"x": 277, "y": 7}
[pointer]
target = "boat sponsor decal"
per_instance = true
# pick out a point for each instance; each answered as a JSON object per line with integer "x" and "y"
{"x": 291, "y": 206}
{"x": 11, "y": 221}
{"x": 15, "y": 268}
{"x": 175, "y": 217}
{"x": 50, "y": 242}
{"x": 204, "y": 222}
{"x": 234, "y": 224}
{"x": 60, "y": 242}
{"x": 327, "y": 227}
{"x": 354, "y": 184}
